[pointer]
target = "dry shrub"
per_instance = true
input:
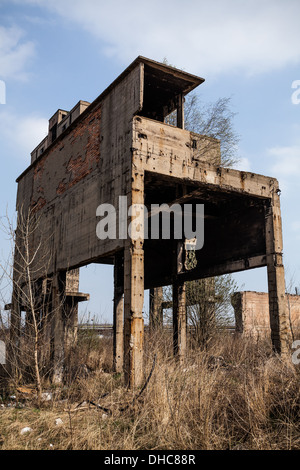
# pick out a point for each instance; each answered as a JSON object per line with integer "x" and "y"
{"x": 235, "y": 395}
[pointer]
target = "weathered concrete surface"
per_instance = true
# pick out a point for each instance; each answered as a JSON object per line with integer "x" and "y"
{"x": 252, "y": 314}
{"x": 118, "y": 320}
{"x": 120, "y": 146}
{"x": 156, "y": 308}
{"x": 179, "y": 321}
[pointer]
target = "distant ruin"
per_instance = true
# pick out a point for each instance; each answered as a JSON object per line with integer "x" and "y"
{"x": 252, "y": 316}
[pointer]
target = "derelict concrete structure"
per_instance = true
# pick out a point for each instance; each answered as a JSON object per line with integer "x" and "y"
{"x": 119, "y": 145}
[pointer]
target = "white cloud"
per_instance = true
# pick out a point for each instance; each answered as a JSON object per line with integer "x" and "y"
{"x": 296, "y": 231}
{"x": 243, "y": 164}
{"x": 284, "y": 164}
{"x": 295, "y": 226}
{"x": 286, "y": 160}
{"x": 22, "y": 134}
{"x": 205, "y": 37}
{"x": 14, "y": 53}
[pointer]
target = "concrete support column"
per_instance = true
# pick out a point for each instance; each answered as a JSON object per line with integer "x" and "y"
{"x": 155, "y": 308}
{"x": 46, "y": 319}
{"x": 133, "y": 314}
{"x": 57, "y": 326}
{"x": 70, "y": 322}
{"x": 28, "y": 325}
{"x": 179, "y": 305}
{"x": 13, "y": 348}
{"x": 118, "y": 337}
{"x": 134, "y": 278}
{"x": 276, "y": 281}
{"x": 180, "y": 111}
{"x": 179, "y": 321}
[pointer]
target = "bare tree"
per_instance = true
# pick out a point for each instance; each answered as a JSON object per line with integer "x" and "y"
{"x": 214, "y": 120}
{"x": 209, "y": 307}
{"x": 30, "y": 331}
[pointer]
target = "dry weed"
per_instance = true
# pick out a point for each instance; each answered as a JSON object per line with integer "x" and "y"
{"x": 236, "y": 395}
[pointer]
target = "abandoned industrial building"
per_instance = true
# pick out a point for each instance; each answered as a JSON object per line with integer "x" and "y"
{"x": 120, "y": 145}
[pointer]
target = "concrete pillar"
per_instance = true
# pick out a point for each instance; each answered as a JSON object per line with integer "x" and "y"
{"x": 155, "y": 308}
{"x": 133, "y": 314}
{"x": 179, "y": 321}
{"x": 134, "y": 280}
{"x": 118, "y": 337}
{"x": 28, "y": 325}
{"x": 57, "y": 326}
{"x": 134, "y": 284}
{"x": 13, "y": 348}
{"x": 46, "y": 320}
{"x": 180, "y": 111}
{"x": 70, "y": 322}
{"x": 276, "y": 281}
{"x": 179, "y": 304}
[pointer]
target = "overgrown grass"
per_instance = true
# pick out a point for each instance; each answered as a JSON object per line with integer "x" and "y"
{"x": 236, "y": 395}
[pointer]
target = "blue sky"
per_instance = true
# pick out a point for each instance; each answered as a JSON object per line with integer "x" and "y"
{"x": 54, "y": 53}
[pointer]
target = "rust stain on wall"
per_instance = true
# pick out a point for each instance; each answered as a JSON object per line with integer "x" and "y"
{"x": 38, "y": 205}
{"x": 81, "y": 166}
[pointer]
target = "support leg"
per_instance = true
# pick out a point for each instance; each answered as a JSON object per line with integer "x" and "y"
{"x": 276, "y": 281}
{"x": 58, "y": 350}
{"x": 133, "y": 318}
{"x": 155, "y": 308}
{"x": 71, "y": 322}
{"x": 179, "y": 321}
{"x": 134, "y": 281}
{"x": 118, "y": 339}
{"x": 13, "y": 350}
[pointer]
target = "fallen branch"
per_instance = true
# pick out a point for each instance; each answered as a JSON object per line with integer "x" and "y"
{"x": 121, "y": 410}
